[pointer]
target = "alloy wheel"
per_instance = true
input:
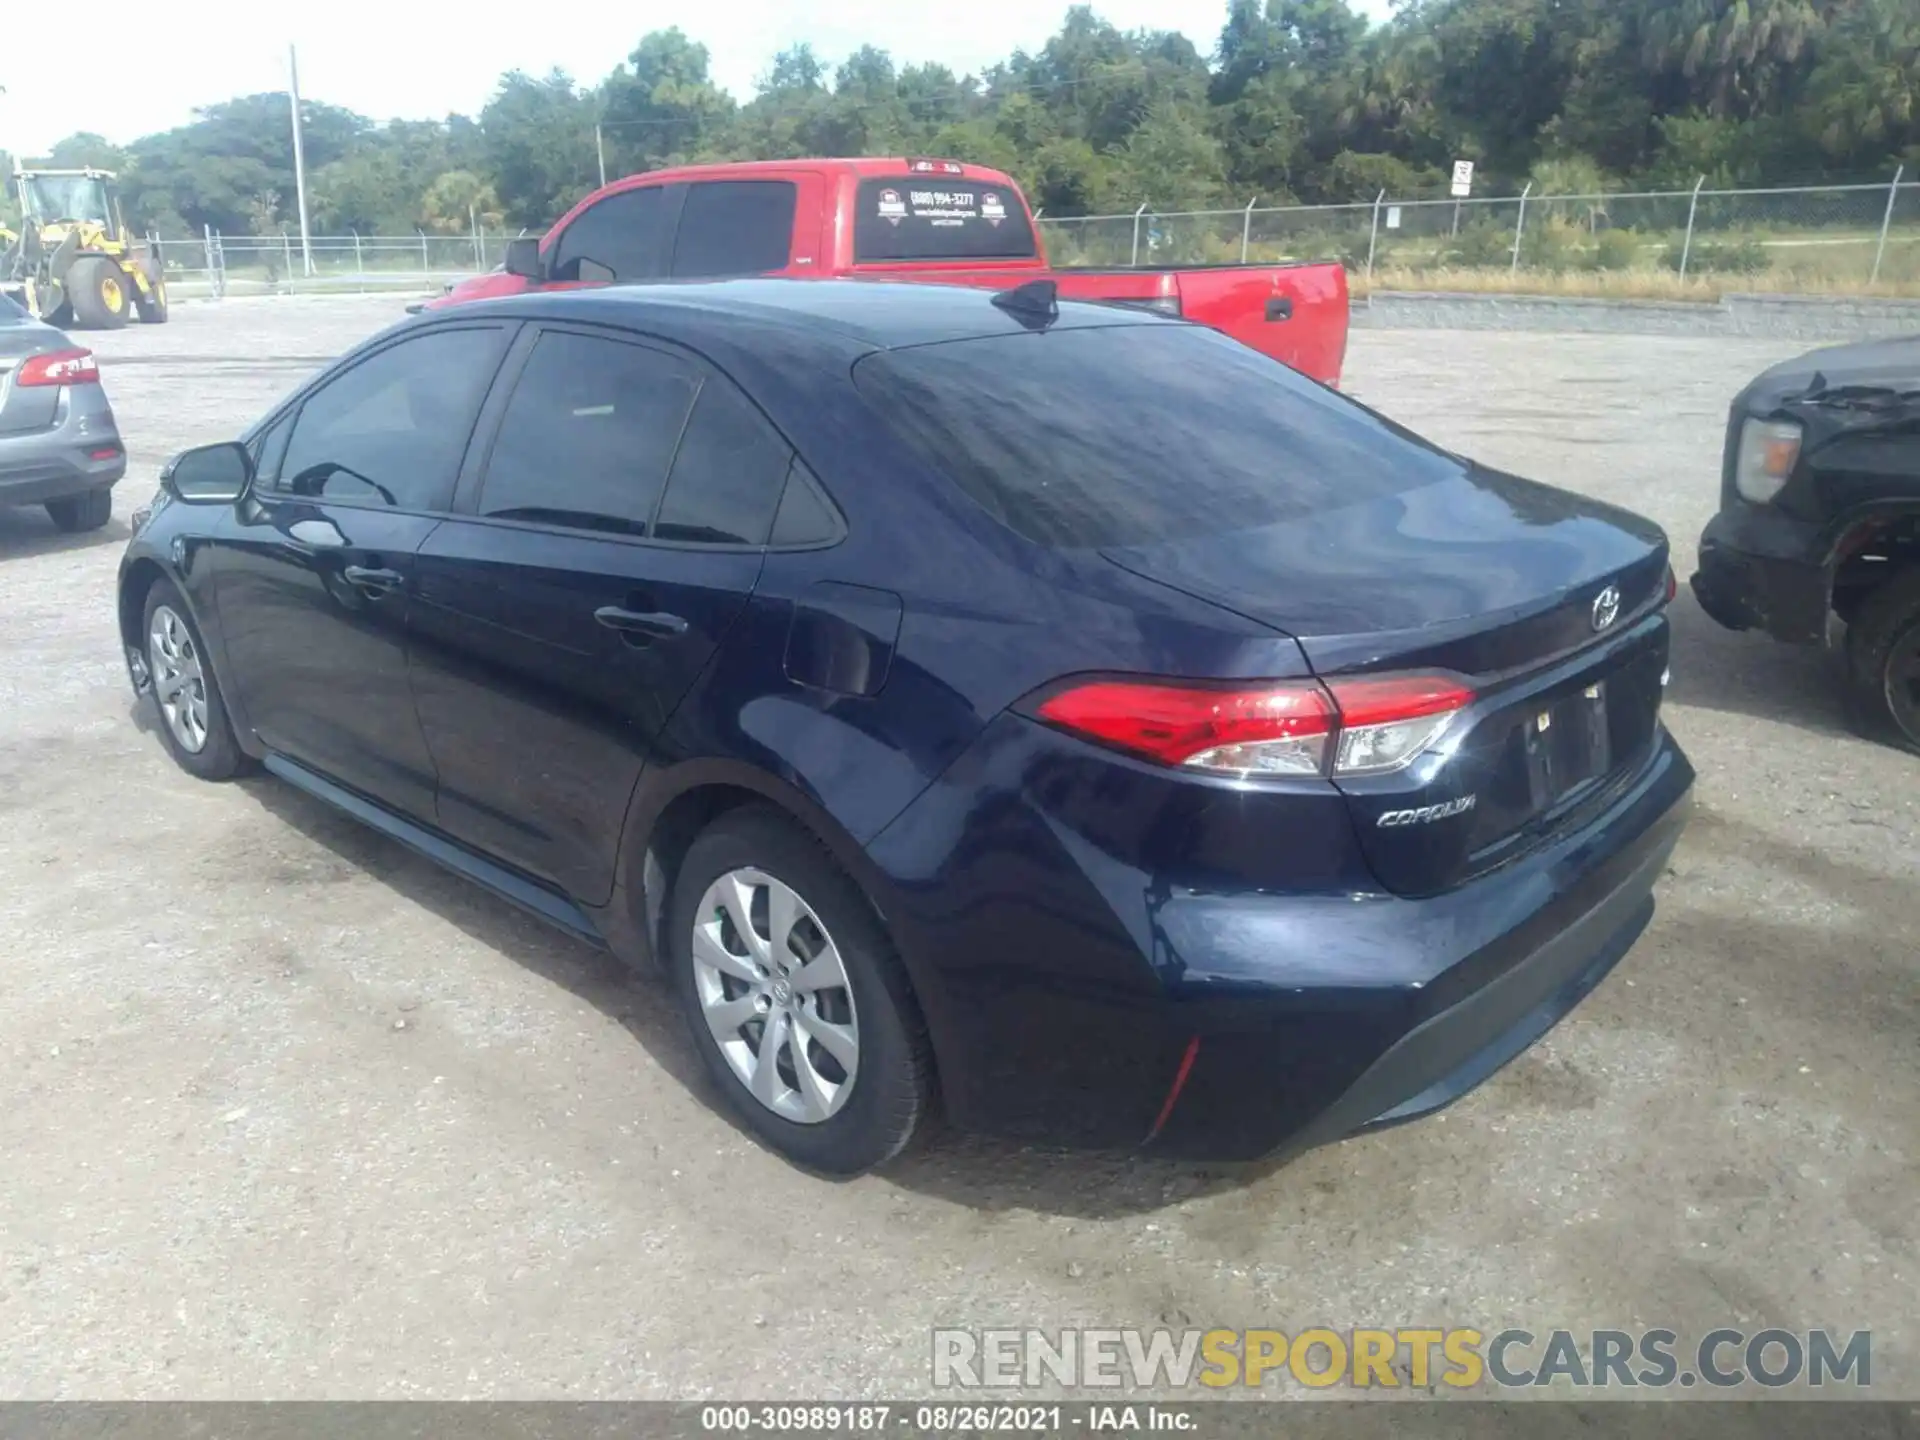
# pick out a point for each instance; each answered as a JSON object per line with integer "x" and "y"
{"x": 179, "y": 680}
{"x": 773, "y": 991}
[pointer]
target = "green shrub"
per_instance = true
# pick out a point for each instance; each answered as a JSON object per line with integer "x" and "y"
{"x": 1615, "y": 250}
{"x": 1727, "y": 257}
{"x": 1555, "y": 246}
{"x": 1480, "y": 245}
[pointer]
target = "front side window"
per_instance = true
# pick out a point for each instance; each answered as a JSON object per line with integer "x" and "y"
{"x": 392, "y": 430}
{"x": 588, "y": 435}
{"x": 620, "y": 233}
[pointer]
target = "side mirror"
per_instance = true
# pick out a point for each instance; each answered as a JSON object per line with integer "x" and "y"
{"x": 209, "y": 474}
{"x": 523, "y": 259}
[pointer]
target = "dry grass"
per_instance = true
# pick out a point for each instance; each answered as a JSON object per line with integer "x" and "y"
{"x": 1620, "y": 284}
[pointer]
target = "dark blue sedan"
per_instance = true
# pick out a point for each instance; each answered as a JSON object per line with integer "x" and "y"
{"x": 1055, "y": 715}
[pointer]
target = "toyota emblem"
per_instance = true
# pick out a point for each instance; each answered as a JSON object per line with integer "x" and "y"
{"x": 1606, "y": 607}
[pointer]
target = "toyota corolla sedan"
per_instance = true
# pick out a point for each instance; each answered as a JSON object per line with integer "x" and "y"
{"x": 1058, "y": 717}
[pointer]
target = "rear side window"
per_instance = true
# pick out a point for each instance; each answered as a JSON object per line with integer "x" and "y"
{"x": 621, "y": 232}
{"x": 735, "y": 227}
{"x": 1126, "y": 435}
{"x": 728, "y": 475}
{"x": 588, "y": 435}
{"x": 805, "y": 517}
{"x": 392, "y": 430}
{"x": 925, "y": 217}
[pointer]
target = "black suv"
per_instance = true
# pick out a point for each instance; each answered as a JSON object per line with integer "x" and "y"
{"x": 1820, "y": 516}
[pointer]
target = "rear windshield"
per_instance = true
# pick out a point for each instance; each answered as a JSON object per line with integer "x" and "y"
{"x": 1133, "y": 434}
{"x": 939, "y": 217}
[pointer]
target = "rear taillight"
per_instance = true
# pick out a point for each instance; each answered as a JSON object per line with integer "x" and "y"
{"x": 1386, "y": 720}
{"x": 61, "y": 367}
{"x": 1280, "y": 729}
{"x": 1367, "y": 725}
{"x": 1673, "y": 585}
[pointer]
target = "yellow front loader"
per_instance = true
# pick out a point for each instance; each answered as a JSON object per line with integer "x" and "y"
{"x": 75, "y": 264}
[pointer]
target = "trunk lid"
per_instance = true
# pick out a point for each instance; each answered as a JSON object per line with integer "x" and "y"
{"x": 1484, "y": 575}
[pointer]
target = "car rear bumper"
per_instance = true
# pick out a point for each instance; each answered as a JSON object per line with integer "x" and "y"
{"x": 1254, "y": 1025}
{"x": 56, "y": 476}
{"x": 80, "y": 450}
{"x": 1761, "y": 570}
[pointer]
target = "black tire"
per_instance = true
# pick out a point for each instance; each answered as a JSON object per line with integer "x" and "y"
{"x": 220, "y": 756}
{"x": 1883, "y": 663}
{"x": 99, "y": 292}
{"x": 891, "y": 1092}
{"x": 87, "y": 511}
{"x": 152, "y": 307}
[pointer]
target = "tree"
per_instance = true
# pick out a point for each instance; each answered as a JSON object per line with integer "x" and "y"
{"x": 1171, "y": 162}
{"x": 1863, "y": 93}
{"x": 84, "y": 150}
{"x": 456, "y": 201}
{"x": 1299, "y": 98}
{"x": 538, "y": 137}
{"x": 662, "y": 107}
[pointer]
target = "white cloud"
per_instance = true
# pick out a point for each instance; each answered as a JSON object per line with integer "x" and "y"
{"x": 385, "y": 59}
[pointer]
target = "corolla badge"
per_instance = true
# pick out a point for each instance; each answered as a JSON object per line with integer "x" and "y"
{"x": 1606, "y": 607}
{"x": 1427, "y": 814}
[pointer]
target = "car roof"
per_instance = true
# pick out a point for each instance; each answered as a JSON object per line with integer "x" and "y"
{"x": 871, "y": 314}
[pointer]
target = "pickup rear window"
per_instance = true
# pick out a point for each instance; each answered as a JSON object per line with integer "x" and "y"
{"x": 1129, "y": 434}
{"x": 938, "y": 217}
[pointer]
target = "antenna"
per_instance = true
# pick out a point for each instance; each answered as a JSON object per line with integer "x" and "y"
{"x": 1035, "y": 304}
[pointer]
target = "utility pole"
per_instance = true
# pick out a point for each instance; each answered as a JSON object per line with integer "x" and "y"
{"x": 299, "y": 161}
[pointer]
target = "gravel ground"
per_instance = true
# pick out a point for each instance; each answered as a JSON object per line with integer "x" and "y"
{"x": 288, "y": 1113}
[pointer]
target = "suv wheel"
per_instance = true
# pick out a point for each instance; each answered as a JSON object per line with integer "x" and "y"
{"x": 1883, "y": 662}
{"x": 193, "y": 716}
{"x": 797, "y": 1003}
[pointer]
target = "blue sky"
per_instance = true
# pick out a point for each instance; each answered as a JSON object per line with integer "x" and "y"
{"x": 388, "y": 59}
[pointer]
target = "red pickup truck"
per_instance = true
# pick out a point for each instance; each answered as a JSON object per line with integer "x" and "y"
{"x": 937, "y": 221}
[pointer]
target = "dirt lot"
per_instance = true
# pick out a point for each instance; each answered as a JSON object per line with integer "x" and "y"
{"x": 286, "y": 1112}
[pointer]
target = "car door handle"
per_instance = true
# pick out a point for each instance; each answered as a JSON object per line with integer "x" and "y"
{"x": 377, "y": 582}
{"x": 654, "y": 625}
{"x": 1280, "y": 308}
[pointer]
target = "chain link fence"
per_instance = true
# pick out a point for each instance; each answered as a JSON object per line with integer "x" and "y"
{"x": 217, "y": 265}
{"x": 1825, "y": 239}
{"x": 1835, "y": 239}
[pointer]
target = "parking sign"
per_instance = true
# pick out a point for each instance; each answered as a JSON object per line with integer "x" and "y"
{"x": 1462, "y": 179}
